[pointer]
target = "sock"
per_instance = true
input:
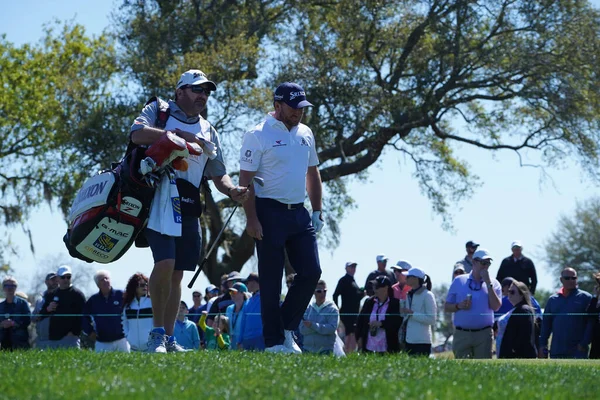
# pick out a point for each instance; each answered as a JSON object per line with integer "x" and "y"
{"x": 159, "y": 329}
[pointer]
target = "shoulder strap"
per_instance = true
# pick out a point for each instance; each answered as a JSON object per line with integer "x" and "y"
{"x": 161, "y": 119}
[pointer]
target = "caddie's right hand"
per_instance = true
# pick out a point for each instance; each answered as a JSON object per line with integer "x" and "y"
{"x": 52, "y": 307}
{"x": 254, "y": 228}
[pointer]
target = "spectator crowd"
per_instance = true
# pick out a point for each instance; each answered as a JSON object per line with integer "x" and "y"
{"x": 394, "y": 311}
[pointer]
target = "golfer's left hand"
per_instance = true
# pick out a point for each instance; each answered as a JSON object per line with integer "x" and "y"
{"x": 239, "y": 194}
{"x": 317, "y": 220}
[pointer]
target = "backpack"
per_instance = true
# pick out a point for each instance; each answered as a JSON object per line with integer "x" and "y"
{"x": 111, "y": 209}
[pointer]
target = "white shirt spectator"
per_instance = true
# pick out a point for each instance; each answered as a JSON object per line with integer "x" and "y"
{"x": 281, "y": 157}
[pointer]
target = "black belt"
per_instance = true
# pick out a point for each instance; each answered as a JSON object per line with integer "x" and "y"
{"x": 473, "y": 330}
{"x": 277, "y": 204}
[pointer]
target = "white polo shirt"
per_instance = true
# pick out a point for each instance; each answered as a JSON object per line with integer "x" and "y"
{"x": 281, "y": 157}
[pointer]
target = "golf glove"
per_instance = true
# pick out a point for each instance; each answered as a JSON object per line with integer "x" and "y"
{"x": 317, "y": 220}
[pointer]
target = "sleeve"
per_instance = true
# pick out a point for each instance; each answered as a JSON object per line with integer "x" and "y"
{"x": 303, "y": 329}
{"x": 202, "y": 322}
{"x": 533, "y": 277}
{"x": 242, "y": 327}
{"x": 223, "y": 341}
{"x": 125, "y": 321}
{"x": 392, "y": 320}
{"x": 547, "y": 323}
{"x": 25, "y": 318}
{"x": 331, "y": 324}
{"x": 498, "y": 289}
{"x": 589, "y": 325}
{"x": 313, "y": 159}
{"x": 78, "y": 309}
{"x": 451, "y": 297}
{"x": 147, "y": 117}
{"x": 337, "y": 293}
{"x": 195, "y": 336}
{"x": 45, "y": 303}
{"x": 215, "y": 167}
{"x": 501, "y": 271}
{"x": 86, "y": 318}
{"x": 428, "y": 317}
{"x": 250, "y": 153}
{"x": 363, "y": 319}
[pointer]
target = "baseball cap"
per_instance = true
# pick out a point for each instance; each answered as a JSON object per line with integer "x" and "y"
{"x": 63, "y": 270}
{"x": 291, "y": 94}
{"x": 459, "y": 266}
{"x": 194, "y": 77}
{"x": 482, "y": 254}
{"x": 239, "y": 287}
{"x": 211, "y": 288}
{"x": 402, "y": 265}
{"x": 381, "y": 281}
{"x": 350, "y": 264}
{"x": 471, "y": 243}
{"x": 516, "y": 243}
{"x": 416, "y": 272}
{"x": 507, "y": 281}
{"x": 183, "y": 303}
{"x": 381, "y": 257}
{"x": 234, "y": 276}
{"x": 50, "y": 275}
{"x": 252, "y": 276}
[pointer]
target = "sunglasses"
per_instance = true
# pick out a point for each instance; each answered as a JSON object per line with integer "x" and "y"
{"x": 9, "y": 286}
{"x": 199, "y": 90}
{"x": 142, "y": 285}
{"x": 320, "y": 290}
{"x": 485, "y": 263}
{"x": 569, "y": 278}
{"x": 196, "y": 295}
{"x": 65, "y": 277}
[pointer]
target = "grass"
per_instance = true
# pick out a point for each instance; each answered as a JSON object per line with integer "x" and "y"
{"x": 241, "y": 375}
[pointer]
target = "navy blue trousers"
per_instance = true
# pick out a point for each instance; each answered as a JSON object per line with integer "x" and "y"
{"x": 291, "y": 231}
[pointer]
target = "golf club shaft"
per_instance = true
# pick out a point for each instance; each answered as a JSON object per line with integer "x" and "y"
{"x": 199, "y": 269}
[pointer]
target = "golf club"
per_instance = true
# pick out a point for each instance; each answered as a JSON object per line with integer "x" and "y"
{"x": 257, "y": 180}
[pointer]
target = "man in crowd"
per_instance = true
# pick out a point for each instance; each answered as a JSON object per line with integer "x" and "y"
{"x": 64, "y": 307}
{"x": 473, "y": 298}
{"x": 42, "y": 325}
{"x": 15, "y": 317}
{"x": 173, "y": 227}
{"x": 467, "y": 262}
{"x": 251, "y": 331}
{"x": 194, "y": 311}
{"x": 320, "y": 323}
{"x": 102, "y": 316}
{"x": 283, "y": 152}
{"x": 518, "y": 267}
{"x": 351, "y": 296}
{"x": 381, "y": 260}
{"x": 186, "y": 331}
{"x": 566, "y": 320}
{"x": 400, "y": 288}
{"x": 459, "y": 269}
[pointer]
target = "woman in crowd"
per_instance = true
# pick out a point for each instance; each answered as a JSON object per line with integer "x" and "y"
{"x": 516, "y": 330}
{"x": 379, "y": 320}
{"x": 594, "y": 313}
{"x": 239, "y": 295}
{"x": 137, "y": 312}
{"x": 320, "y": 323}
{"x": 420, "y": 313}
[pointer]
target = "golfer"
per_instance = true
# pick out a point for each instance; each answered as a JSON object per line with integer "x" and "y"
{"x": 283, "y": 151}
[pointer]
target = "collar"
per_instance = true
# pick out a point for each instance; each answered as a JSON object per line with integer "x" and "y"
{"x": 418, "y": 290}
{"x": 275, "y": 123}
{"x": 561, "y": 291}
{"x": 517, "y": 259}
{"x": 110, "y": 294}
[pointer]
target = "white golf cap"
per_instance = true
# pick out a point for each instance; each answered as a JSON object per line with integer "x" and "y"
{"x": 402, "y": 265}
{"x": 350, "y": 264}
{"x": 63, "y": 270}
{"x": 194, "y": 77}
{"x": 416, "y": 272}
{"x": 482, "y": 254}
{"x": 516, "y": 243}
{"x": 381, "y": 257}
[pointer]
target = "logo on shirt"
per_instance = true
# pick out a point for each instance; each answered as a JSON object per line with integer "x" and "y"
{"x": 248, "y": 153}
{"x": 105, "y": 243}
{"x": 247, "y": 157}
{"x": 303, "y": 142}
{"x": 176, "y": 209}
{"x": 278, "y": 143}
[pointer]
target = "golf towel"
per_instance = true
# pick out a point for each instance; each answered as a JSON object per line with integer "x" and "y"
{"x": 165, "y": 213}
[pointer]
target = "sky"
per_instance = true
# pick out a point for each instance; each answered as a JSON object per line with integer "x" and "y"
{"x": 391, "y": 217}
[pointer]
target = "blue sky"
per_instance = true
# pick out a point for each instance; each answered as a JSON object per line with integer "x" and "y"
{"x": 391, "y": 217}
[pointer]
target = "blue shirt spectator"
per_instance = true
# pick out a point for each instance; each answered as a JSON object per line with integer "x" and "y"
{"x": 15, "y": 317}
{"x": 186, "y": 332}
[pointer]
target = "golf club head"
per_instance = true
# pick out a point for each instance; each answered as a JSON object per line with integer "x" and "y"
{"x": 259, "y": 181}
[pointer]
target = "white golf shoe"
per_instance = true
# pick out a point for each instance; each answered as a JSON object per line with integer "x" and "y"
{"x": 278, "y": 349}
{"x": 290, "y": 343}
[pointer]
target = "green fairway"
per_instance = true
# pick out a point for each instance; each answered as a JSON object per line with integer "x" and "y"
{"x": 229, "y": 375}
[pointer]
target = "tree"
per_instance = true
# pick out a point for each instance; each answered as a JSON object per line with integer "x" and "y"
{"x": 58, "y": 119}
{"x": 408, "y": 76}
{"x": 542, "y": 296}
{"x": 576, "y": 243}
{"x": 444, "y": 325}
